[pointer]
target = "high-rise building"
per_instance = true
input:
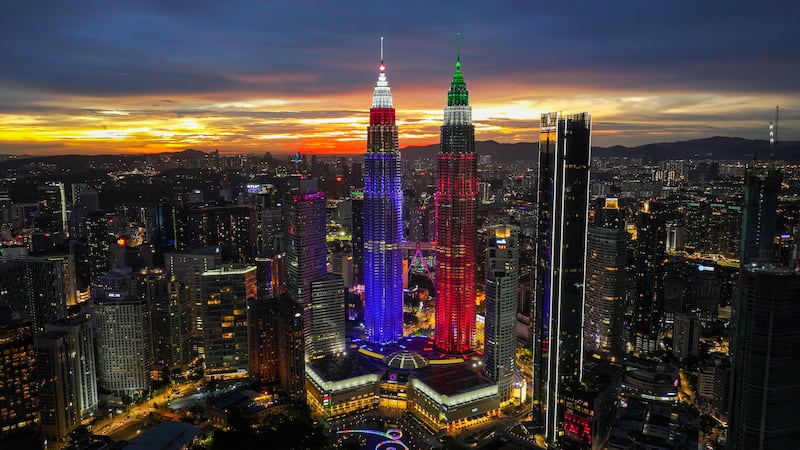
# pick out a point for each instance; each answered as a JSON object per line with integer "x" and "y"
{"x": 306, "y": 253}
{"x": 765, "y": 387}
{"x": 686, "y": 335}
{"x": 502, "y": 284}
{"x": 18, "y": 397}
{"x": 99, "y": 235}
{"x": 456, "y": 228}
{"x": 564, "y": 156}
{"x": 649, "y": 273}
{"x": 327, "y": 333}
{"x": 65, "y": 371}
{"x": 188, "y": 268}
{"x": 170, "y": 311}
{"x": 276, "y": 344}
{"x": 82, "y": 359}
{"x": 606, "y": 282}
{"x": 762, "y": 184}
{"x": 383, "y": 226}
{"x": 58, "y": 408}
{"x": 231, "y": 228}
{"x": 225, "y": 292}
{"x": 357, "y": 214}
{"x": 35, "y": 286}
{"x": 124, "y": 348}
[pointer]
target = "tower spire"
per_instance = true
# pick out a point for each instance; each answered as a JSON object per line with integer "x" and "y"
{"x": 458, "y": 51}
{"x": 381, "y": 50}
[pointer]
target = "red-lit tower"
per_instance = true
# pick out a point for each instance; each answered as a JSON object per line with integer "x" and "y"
{"x": 456, "y": 233}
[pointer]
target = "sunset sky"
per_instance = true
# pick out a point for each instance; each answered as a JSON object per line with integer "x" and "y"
{"x": 286, "y": 76}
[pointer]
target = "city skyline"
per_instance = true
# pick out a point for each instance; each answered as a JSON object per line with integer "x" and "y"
{"x": 250, "y": 77}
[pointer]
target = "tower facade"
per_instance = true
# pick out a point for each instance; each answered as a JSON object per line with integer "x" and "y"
{"x": 502, "y": 283}
{"x": 564, "y": 155}
{"x": 648, "y": 302}
{"x": 306, "y": 255}
{"x": 762, "y": 184}
{"x": 124, "y": 347}
{"x": 606, "y": 278}
{"x": 382, "y": 225}
{"x": 764, "y": 364}
{"x": 456, "y": 232}
{"x": 226, "y": 291}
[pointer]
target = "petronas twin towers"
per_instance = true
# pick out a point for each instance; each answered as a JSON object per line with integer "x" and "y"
{"x": 456, "y": 233}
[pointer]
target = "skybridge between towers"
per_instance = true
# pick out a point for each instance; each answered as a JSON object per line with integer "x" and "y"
{"x": 418, "y": 248}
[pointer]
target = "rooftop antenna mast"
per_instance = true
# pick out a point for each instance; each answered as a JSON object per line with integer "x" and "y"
{"x": 773, "y": 134}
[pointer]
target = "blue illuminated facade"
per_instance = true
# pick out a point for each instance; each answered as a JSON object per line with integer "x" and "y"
{"x": 383, "y": 228}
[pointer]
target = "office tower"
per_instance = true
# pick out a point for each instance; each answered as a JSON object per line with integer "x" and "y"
{"x": 84, "y": 200}
{"x": 564, "y": 156}
{"x": 649, "y": 272}
{"x": 78, "y": 331}
{"x": 225, "y": 292}
{"x": 357, "y": 233}
{"x": 456, "y": 232}
{"x": 231, "y": 228}
{"x": 98, "y": 242}
{"x": 188, "y": 268}
{"x": 275, "y": 333}
{"x": 65, "y": 371}
{"x": 306, "y": 254}
{"x": 502, "y": 284}
{"x": 58, "y": 408}
{"x": 18, "y": 391}
{"x": 170, "y": 310}
{"x": 35, "y": 286}
{"x": 383, "y": 226}
{"x": 327, "y": 316}
{"x": 762, "y": 184}
{"x": 686, "y": 335}
{"x": 765, "y": 388}
{"x": 124, "y": 348}
{"x": 606, "y": 282}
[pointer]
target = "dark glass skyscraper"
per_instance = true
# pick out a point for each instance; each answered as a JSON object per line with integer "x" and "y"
{"x": 649, "y": 272}
{"x": 759, "y": 215}
{"x": 456, "y": 233}
{"x": 765, "y": 388}
{"x": 383, "y": 226}
{"x": 564, "y": 155}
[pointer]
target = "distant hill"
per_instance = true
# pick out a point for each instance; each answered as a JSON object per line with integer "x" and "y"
{"x": 718, "y": 148}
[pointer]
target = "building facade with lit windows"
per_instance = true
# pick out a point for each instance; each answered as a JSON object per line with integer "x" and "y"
{"x": 226, "y": 291}
{"x": 502, "y": 286}
{"x": 306, "y": 254}
{"x": 456, "y": 228}
{"x": 382, "y": 221}
{"x": 606, "y": 282}
{"x": 564, "y": 156}
{"x": 19, "y": 407}
{"x": 124, "y": 346}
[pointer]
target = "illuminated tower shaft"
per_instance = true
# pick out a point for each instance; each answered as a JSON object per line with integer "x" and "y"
{"x": 456, "y": 233}
{"x": 383, "y": 227}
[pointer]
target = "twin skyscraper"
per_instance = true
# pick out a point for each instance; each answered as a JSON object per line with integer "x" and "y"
{"x": 456, "y": 233}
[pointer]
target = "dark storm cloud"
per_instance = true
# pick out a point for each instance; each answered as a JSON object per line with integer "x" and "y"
{"x": 96, "y": 48}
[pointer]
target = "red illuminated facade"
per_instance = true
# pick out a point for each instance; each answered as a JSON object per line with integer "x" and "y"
{"x": 456, "y": 233}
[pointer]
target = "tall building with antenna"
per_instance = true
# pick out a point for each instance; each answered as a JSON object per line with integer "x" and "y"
{"x": 456, "y": 233}
{"x": 383, "y": 215}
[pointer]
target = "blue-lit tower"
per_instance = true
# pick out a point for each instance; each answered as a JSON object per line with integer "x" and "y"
{"x": 383, "y": 228}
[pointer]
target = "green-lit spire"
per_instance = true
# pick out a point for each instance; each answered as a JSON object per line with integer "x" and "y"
{"x": 458, "y": 94}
